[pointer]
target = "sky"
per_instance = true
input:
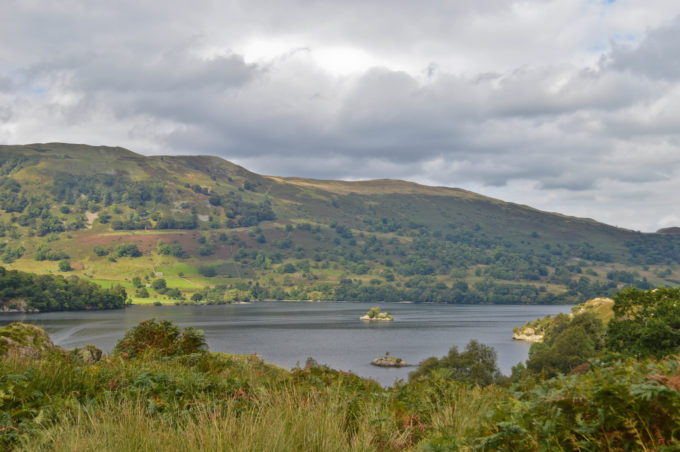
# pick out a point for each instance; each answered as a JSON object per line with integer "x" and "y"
{"x": 571, "y": 106}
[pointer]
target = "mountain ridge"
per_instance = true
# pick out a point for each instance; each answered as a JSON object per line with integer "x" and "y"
{"x": 323, "y": 184}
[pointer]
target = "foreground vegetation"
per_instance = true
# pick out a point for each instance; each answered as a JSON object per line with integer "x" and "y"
{"x": 203, "y": 230}
{"x": 161, "y": 389}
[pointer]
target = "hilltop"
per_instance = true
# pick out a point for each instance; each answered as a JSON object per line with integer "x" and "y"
{"x": 202, "y": 229}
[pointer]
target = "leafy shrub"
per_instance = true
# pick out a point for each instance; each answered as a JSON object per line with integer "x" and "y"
{"x": 619, "y": 406}
{"x": 288, "y": 268}
{"x": 159, "y": 285}
{"x": 11, "y": 254}
{"x": 645, "y": 323}
{"x": 373, "y": 312}
{"x": 567, "y": 343}
{"x": 46, "y": 254}
{"x": 175, "y": 294}
{"x": 100, "y": 250}
{"x": 207, "y": 270}
{"x": 207, "y": 249}
{"x": 173, "y": 249}
{"x": 475, "y": 365}
{"x": 127, "y": 249}
{"x": 65, "y": 266}
{"x": 158, "y": 339}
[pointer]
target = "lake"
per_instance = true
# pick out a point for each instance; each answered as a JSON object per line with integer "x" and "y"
{"x": 287, "y": 333}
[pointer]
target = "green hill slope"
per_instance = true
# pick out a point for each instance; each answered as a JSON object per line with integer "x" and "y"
{"x": 217, "y": 232}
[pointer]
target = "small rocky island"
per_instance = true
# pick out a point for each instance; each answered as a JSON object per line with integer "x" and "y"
{"x": 389, "y": 361}
{"x": 374, "y": 314}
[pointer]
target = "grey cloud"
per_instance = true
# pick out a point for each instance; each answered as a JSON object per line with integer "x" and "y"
{"x": 6, "y": 84}
{"x": 658, "y": 56}
{"x": 170, "y": 71}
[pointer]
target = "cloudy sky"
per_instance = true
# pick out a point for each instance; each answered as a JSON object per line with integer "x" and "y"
{"x": 565, "y": 105}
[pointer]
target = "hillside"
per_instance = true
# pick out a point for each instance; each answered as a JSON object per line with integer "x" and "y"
{"x": 215, "y": 232}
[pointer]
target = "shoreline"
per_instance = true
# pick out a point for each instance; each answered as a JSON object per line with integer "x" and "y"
{"x": 179, "y": 304}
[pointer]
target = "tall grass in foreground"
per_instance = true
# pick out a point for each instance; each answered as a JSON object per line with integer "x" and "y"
{"x": 222, "y": 402}
{"x": 286, "y": 422}
{"x": 278, "y": 425}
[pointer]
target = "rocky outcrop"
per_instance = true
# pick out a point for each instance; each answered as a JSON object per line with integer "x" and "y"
{"x": 527, "y": 334}
{"x": 376, "y": 319}
{"x": 389, "y": 361}
{"x": 602, "y": 307}
{"x": 25, "y": 341}
{"x": 88, "y": 354}
{"x": 21, "y": 340}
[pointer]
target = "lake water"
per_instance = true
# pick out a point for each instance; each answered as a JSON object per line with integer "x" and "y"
{"x": 286, "y": 333}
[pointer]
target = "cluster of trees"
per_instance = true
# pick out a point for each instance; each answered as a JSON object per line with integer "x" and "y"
{"x": 646, "y": 323}
{"x": 475, "y": 365}
{"x": 56, "y": 293}
{"x": 11, "y": 253}
{"x": 107, "y": 189}
{"x": 567, "y": 342}
{"x": 11, "y": 162}
{"x": 171, "y": 249}
{"x": 127, "y": 250}
{"x": 44, "y": 253}
{"x": 148, "y": 202}
{"x": 654, "y": 249}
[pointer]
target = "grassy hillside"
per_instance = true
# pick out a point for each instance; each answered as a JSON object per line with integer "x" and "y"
{"x": 215, "y": 232}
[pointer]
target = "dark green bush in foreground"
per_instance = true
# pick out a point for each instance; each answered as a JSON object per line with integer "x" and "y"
{"x": 625, "y": 405}
{"x": 646, "y": 323}
{"x": 475, "y": 365}
{"x": 160, "y": 339}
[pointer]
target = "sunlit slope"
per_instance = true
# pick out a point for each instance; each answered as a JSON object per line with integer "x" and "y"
{"x": 441, "y": 207}
{"x": 310, "y": 199}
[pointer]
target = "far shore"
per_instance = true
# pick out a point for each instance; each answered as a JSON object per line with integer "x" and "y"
{"x": 165, "y": 302}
